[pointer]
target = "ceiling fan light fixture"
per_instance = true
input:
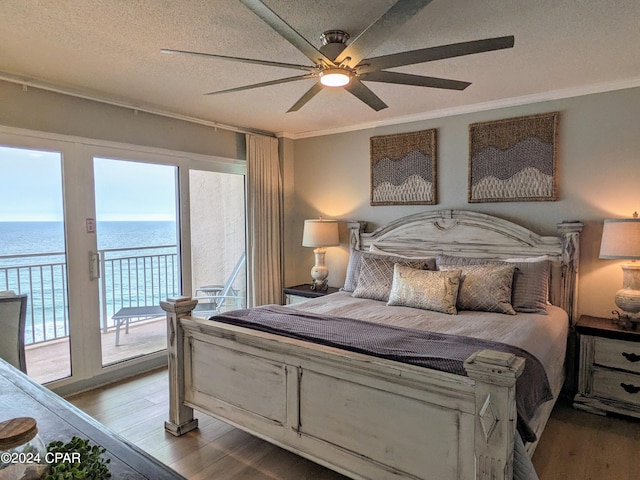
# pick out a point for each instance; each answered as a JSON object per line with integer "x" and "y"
{"x": 335, "y": 63}
{"x": 335, "y": 77}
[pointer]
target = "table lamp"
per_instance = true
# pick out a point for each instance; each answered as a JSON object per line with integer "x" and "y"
{"x": 621, "y": 240}
{"x": 320, "y": 233}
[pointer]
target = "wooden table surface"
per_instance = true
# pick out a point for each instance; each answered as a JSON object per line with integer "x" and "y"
{"x": 57, "y": 419}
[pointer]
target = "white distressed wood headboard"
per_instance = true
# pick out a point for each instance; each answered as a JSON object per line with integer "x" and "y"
{"x": 472, "y": 234}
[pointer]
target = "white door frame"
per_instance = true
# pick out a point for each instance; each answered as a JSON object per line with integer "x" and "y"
{"x": 79, "y": 204}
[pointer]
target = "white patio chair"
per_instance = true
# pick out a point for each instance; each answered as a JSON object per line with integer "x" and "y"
{"x": 218, "y": 296}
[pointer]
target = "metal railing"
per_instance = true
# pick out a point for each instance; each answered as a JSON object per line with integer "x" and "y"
{"x": 130, "y": 277}
{"x": 43, "y": 277}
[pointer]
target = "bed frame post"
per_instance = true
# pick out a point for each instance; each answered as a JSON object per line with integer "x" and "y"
{"x": 495, "y": 374}
{"x": 180, "y": 416}
{"x": 570, "y": 233}
{"x": 356, "y": 228}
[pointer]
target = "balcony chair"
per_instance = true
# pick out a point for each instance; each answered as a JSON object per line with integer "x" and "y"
{"x": 211, "y": 298}
{"x": 215, "y": 297}
{"x": 13, "y": 317}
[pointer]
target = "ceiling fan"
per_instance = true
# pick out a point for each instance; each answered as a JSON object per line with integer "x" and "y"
{"x": 338, "y": 64}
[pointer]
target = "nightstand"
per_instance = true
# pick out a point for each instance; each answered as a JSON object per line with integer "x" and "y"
{"x": 609, "y": 368}
{"x": 302, "y": 293}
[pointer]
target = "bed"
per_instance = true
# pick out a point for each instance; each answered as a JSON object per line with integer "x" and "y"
{"x": 375, "y": 417}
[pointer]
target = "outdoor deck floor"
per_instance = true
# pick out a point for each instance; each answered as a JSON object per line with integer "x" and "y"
{"x": 50, "y": 361}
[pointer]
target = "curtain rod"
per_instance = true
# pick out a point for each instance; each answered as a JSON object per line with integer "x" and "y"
{"x": 41, "y": 85}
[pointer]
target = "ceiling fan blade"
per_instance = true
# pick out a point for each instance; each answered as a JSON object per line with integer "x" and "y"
{"x": 358, "y": 89}
{"x": 264, "y": 84}
{"x": 416, "y": 80}
{"x": 287, "y": 31}
{"x": 240, "y": 59}
{"x": 435, "y": 53}
{"x": 380, "y": 30}
{"x": 312, "y": 92}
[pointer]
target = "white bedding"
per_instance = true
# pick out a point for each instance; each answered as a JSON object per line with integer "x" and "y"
{"x": 544, "y": 336}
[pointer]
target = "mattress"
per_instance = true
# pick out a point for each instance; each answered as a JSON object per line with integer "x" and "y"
{"x": 544, "y": 336}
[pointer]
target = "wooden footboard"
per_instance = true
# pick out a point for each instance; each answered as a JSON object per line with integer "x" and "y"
{"x": 366, "y": 417}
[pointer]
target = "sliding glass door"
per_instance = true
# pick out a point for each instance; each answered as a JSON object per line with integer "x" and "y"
{"x": 137, "y": 255}
{"x": 33, "y": 259}
{"x": 98, "y": 234}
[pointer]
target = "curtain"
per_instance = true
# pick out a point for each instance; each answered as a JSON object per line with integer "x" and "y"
{"x": 264, "y": 221}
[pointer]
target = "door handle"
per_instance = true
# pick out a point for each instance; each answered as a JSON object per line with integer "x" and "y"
{"x": 94, "y": 265}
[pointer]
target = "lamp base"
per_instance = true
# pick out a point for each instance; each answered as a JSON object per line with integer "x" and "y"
{"x": 319, "y": 272}
{"x": 628, "y": 300}
{"x": 319, "y": 285}
{"x": 627, "y": 321}
{"x": 628, "y": 297}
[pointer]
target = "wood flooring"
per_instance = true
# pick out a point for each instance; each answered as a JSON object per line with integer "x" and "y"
{"x": 575, "y": 445}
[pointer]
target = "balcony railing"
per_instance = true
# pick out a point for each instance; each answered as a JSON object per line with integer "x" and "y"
{"x": 130, "y": 277}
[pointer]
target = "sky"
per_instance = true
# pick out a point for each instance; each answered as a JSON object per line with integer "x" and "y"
{"x": 31, "y": 188}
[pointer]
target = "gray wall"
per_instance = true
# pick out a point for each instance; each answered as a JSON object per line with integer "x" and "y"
{"x": 45, "y": 111}
{"x": 599, "y": 156}
{"x": 599, "y": 174}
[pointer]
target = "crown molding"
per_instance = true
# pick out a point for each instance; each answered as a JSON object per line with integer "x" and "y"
{"x": 123, "y": 103}
{"x": 474, "y": 108}
{"x": 445, "y": 112}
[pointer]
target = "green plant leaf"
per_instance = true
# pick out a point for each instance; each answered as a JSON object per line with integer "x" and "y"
{"x": 91, "y": 466}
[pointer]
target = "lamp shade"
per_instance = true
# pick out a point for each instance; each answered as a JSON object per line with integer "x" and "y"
{"x": 320, "y": 233}
{"x": 621, "y": 239}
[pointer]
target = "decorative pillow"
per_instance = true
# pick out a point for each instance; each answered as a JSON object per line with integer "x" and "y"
{"x": 530, "y": 281}
{"x": 376, "y": 275}
{"x": 485, "y": 287}
{"x": 425, "y": 289}
{"x": 7, "y": 293}
{"x": 451, "y": 260}
{"x": 353, "y": 267}
{"x": 353, "y": 271}
{"x": 530, "y": 291}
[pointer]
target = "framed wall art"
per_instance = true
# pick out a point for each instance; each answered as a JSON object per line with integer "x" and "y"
{"x": 514, "y": 160}
{"x": 403, "y": 168}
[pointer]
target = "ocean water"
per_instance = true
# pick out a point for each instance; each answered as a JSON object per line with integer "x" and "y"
{"x": 18, "y": 238}
{"x": 42, "y": 244}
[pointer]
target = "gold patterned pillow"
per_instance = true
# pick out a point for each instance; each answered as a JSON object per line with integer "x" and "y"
{"x": 485, "y": 287}
{"x": 426, "y": 289}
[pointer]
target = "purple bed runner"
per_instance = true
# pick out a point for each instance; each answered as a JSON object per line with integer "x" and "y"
{"x": 432, "y": 350}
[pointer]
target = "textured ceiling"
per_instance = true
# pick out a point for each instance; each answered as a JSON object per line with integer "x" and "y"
{"x": 111, "y": 49}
